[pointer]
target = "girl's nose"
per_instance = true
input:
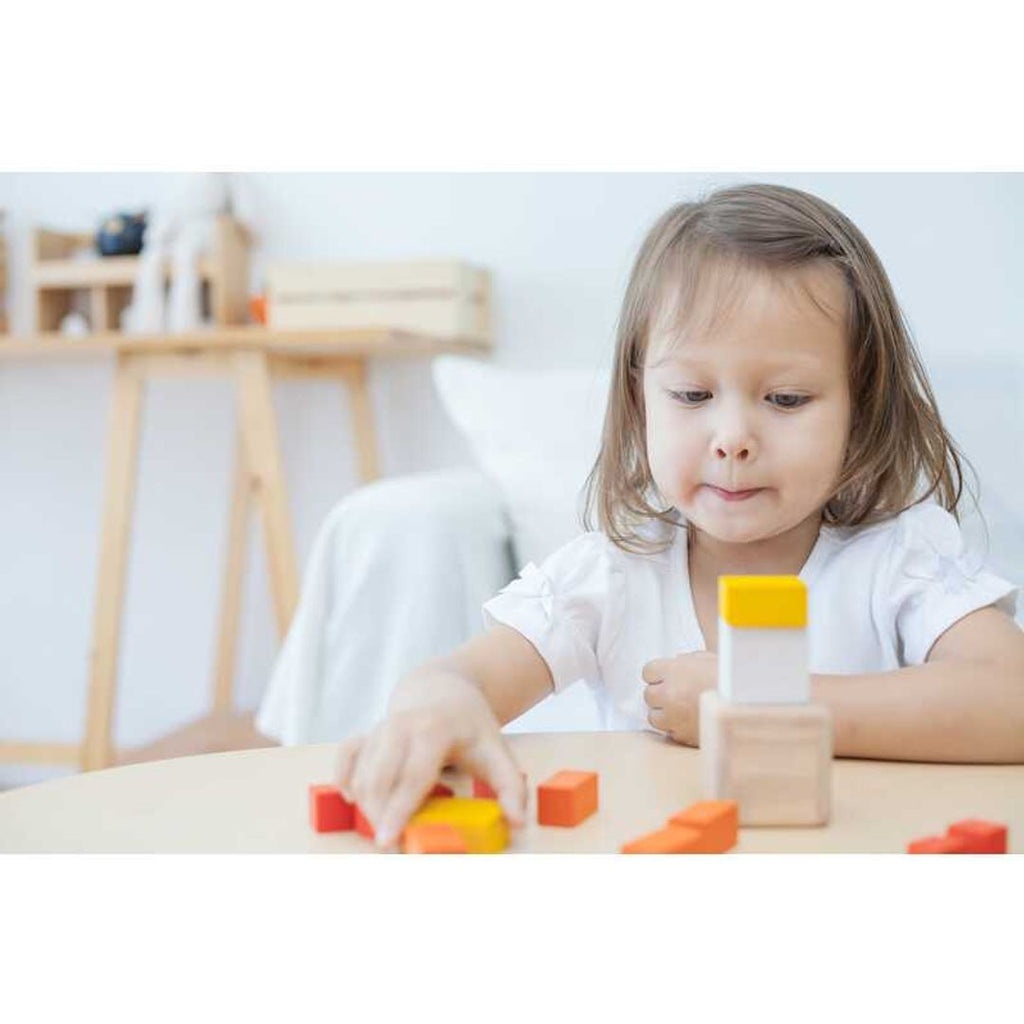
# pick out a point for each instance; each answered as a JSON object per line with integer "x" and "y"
{"x": 739, "y": 452}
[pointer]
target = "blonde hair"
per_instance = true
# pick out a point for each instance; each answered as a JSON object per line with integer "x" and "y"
{"x": 899, "y": 452}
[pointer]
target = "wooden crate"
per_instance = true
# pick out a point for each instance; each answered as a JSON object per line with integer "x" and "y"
{"x": 60, "y": 282}
{"x": 444, "y": 299}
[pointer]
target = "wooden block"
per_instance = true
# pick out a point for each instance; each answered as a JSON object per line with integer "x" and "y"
{"x": 980, "y": 836}
{"x": 437, "y": 837}
{"x": 482, "y": 789}
{"x": 362, "y": 824}
{"x": 672, "y": 839}
{"x": 762, "y": 640}
{"x": 567, "y": 798}
{"x": 763, "y": 602}
{"x": 481, "y": 822}
{"x": 716, "y": 820}
{"x": 440, "y": 789}
{"x": 329, "y": 811}
{"x": 938, "y": 844}
{"x": 775, "y": 760}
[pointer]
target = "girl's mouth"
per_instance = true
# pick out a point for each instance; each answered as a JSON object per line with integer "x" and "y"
{"x": 735, "y": 495}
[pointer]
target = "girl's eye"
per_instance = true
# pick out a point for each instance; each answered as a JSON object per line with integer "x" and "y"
{"x": 786, "y": 400}
{"x": 690, "y": 397}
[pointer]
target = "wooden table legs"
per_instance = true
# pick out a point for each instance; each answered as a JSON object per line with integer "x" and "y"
{"x": 258, "y": 480}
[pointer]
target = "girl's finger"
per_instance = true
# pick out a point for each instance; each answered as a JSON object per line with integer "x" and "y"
{"x": 419, "y": 773}
{"x": 652, "y": 694}
{"x": 654, "y": 671}
{"x": 492, "y": 761}
{"x": 345, "y": 761}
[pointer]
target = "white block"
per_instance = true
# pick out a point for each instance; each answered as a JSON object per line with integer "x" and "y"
{"x": 763, "y": 666}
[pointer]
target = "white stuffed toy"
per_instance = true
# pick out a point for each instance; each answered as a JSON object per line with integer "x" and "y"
{"x": 181, "y": 229}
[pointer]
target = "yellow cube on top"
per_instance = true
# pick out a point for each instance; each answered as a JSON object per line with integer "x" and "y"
{"x": 480, "y": 821}
{"x": 763, "y": 602}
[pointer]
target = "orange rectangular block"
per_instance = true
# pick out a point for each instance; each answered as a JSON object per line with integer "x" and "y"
{"x": 980, "y": 836}
{"x": 938, "y": 844}
{"x": 672, "y": 839}
{"x": 567, "y": 798}
{"x": 433, "y": 838}
{"x": 329, "y": 811}
{"x": 716, "y": 820}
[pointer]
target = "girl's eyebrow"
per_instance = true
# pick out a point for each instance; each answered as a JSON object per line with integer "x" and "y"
{"x": 684, "y": 362}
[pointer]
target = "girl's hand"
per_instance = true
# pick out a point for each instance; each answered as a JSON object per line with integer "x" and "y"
{"x": 673, "y": 690}
{"x": 390, "y": 771}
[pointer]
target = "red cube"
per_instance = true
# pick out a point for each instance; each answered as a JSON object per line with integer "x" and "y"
{"x": 980, "y": 836}
{"x": 329, "y": 811}
{"x": 938, "y": 844}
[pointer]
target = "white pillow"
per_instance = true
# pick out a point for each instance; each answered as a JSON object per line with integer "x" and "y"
{"x": 536, "y": 433}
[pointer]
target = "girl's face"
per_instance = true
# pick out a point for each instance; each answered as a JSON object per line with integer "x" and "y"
{"x": 747, "y": 424}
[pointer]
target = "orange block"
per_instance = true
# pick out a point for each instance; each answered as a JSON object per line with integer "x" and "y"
{"x": 672, "y": 839}
{"x": 717, "y": 820}
{"x": 567, "y": 798}
{"x": 938, "y": 844}
{"x": 329, "y": 811}
{"x": 435, "y": 837}
{"x": 980, "y": 836}
{"x": 362, "y": 825}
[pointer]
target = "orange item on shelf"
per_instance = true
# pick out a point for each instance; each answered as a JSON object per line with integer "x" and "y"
{"x": 717, "y": 820}
{"x": 258, "y": 308}
{"x": 672, "y": 839}
{"x": 438, "y": 837}
{"x": 567, "y": 798}
{"x": 329, "y": 811}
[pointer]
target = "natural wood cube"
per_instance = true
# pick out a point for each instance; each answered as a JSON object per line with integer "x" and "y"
{"x": 774, "y": 759}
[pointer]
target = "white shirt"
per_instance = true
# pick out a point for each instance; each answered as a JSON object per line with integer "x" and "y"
{"x": 878, "y": 598}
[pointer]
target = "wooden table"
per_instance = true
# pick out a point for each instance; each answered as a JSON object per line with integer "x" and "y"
{"x": 253, "y": 357}
{"x": 255, "y": 801}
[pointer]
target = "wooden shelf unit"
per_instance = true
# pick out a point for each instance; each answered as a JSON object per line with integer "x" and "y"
{"x": 57, "y": 279}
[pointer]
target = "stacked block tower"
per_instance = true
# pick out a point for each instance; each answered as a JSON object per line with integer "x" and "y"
{"x": 763, "y": 743}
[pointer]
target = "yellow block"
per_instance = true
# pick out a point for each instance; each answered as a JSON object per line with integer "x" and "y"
{"x": 480, "y": 821}
{"x": 763, "y": 602}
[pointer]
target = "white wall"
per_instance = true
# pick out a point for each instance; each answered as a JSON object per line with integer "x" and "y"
{"x": 560, "y": 247}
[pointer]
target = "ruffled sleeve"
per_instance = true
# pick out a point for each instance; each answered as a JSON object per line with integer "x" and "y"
{"x": 565, "y": 607}
{"x": 934, "y": 580}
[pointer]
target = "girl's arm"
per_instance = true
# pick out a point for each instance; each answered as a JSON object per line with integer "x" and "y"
{"x": 964, "y": 704}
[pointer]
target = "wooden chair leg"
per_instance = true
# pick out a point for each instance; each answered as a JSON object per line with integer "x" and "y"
{"x": 234, "y": 575}
{"x": 258, "y": 428}
{"x": 122, "y": 457}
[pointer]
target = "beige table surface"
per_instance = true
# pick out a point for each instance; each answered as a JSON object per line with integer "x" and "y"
{"x": 255, "y": 801}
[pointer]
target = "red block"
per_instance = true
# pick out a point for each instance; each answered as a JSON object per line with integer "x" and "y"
{"x": 482, "y": 789}
{"x": 440, "y": 789}
{"x": 567, "y": 798}
{"x": 362, "y": 826}
{"x": 938, "y": 844}
{"x": 980, "y": 836}
{"x": 329, "y": 811}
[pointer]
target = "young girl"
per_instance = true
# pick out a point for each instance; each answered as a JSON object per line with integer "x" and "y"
{"x": 767, "y": 414}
